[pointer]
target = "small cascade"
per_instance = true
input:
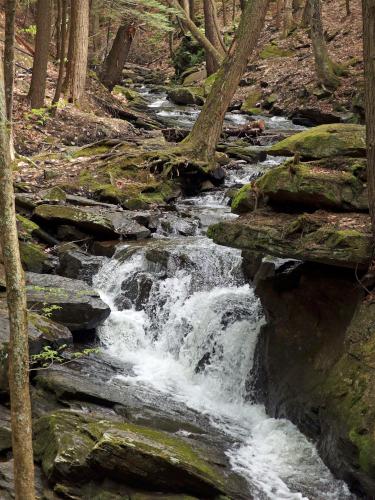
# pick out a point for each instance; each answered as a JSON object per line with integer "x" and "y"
{"x": 185, "y": 319}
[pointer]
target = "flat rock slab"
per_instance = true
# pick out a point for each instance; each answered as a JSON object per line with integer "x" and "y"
{"x": 72, "y": 302}
{"x": 343, "y": 240}
{"x": 101, "y": 222}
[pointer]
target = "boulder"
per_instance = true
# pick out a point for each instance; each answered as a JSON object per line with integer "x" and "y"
{"x": 195, "y": 77}
{"x": 337, "y": 184}
{"x": 273, "y": 50}
{"x": 245, "y": 200}
{"x": 253, "y": 98}
{"x": 93, "y": 220}
{"x": 79, "y": 265}
{"x": 186, "y": 95}
{"x": 342, "y": 240}
{"x": 71, "y": 446}
{"x": 324, "y": 141}
{"x": 70, "y": 302}
{"x": 5, "y": 430}
{"x": 319, "y": 366}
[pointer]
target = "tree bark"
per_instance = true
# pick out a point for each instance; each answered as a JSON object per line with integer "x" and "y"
{"x": 78, "y": 49}
{"x": 95, "y": 35}
{"x": 288, "y": 17}
{"x": 62, "y": 48}
{"x": 306, "y": 16}
{"x": 224, "y": 7}
{"x": 10, "y": 17}
{"x": 206, "y": 132}
{"x": 195, "y": 31}
{"x": 279, "y": 13}
{"x": 18, "y": 345}
{"x": 212, "y": 65}
{"x": 111, "y": 72}
{"x": 42, "y": 45}
{"x": 368, "y": 13}
{"x": 324, "y": 67}
{"x": 192, "y": 10}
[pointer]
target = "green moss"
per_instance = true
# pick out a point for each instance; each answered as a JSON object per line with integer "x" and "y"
{"x": 244, "y": 200}
{"x": 324, "y": 141}
{"x": 55, "y": 194}
{"x": 208, "y": 83}
{"x": 272, "y": 50}
{"x": 91, "y": 151}
{"x": 25, "y": 227}
{"x": 33, "y": 257}
{"x": 253, "y": 98}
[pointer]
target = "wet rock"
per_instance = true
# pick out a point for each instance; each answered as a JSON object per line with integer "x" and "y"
{"x": 342, "y": 240}
{"x": 324, "y": 141}
{"x": 174, "y": 225}
{"x": 73, "y": 446}
{"x": 250, "y": 154}
{"x": 247, "y": 199}
{"x": 321, "y": 371}
{"x": 136, "y": 291}
{"x": 74, "y": 303}
{"x": 34, "y": 258}
{"x": 335, "y": 183}
{"x": 105, "y": 248}
{"x": 186, "y": 95}
{"x": 79, "y": 265}
{"x": 66, "y": 232}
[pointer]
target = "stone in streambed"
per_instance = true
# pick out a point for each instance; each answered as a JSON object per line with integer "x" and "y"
{"x": 71, "y": 446}
{"x": 343, "y": 240}
{"x": 74, "y": 304}
{"x": 336, "y": 183}
{"x": 186, "y": 95}
{"x": 324, "y": 141}
{"x": 79, "y": 265}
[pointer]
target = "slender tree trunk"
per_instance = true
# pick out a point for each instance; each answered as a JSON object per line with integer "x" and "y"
{"x": 279, "y": 13}
{"x": 95, "y": 37}
{"x": 242, "y": 4}
{"x": 186, "y": 6}
{"x": 368, "y": 13}
{"x": 206, "y": 132}
{"x": 111, "y": 72}
{"x": 192, "y": 10}
{"x": 78, "y": 49}
{"x": 58, "y": 28}
{"x": 306, "y": 16}
{"x": 347, "y": 7}
{"x": 298, "y": 10}
{"x": 233, "y": 11}
{"x": 224, "y": 6}
{"x": 42, "y": 43}
{"x": 62, "y": 54}
{"x": 324, "y": 67}
{"x": 212, "y": 65}
{"x": 16, "y": 299}
{"x": 195, "y": 31}
{"x": 288, "y": 17}
{"x": 10, "y": 17}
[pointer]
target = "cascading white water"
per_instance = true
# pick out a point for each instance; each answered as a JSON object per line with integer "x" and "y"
{"x": 190, "y": 331}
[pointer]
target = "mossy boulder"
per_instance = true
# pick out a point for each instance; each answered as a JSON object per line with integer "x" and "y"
{"x": 53, "y": 195}
{"x": 273, "y": 50}
{"x": 34, "y": 258}
{"x": 133, "y": 97}
{"x": 74, "y": 447}
{"x": 342, "y": 240}
{"x": 253, "y": 98}
{"x": 335, "y": 183}
{"x": 331, "y": 140}
{"x": 186, "y": 95}
{"x": 245, "y": 200}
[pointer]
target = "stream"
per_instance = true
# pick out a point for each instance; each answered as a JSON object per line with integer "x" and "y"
{"x": 185, "y": 320}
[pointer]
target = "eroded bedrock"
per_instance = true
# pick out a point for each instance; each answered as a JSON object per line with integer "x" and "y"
{"x": 317, "y": 354}
{"x": 338, "y": 239}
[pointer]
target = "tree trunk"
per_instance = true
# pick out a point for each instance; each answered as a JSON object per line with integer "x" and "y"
{"x": 186, "y": 6}
{"x": 95, "y": 35}
{"x": 206, "y": 132}
{"x": 224, "y": 6}
{"x": 78, "y": 49}
{"x": 10, "y": 17}
{"x": 192, "y": 10}
{"x": 111, "y": 72}
{"x": 324, "y": 67}
{"x": 58, "y": 28}
{"x": 18, "y": 345}
{"x": 306, "y": 16}
{"x": 42, "y": 42}
{"x": 62, "y": 47}
{"x": 212, "y": 65}
{"x": 288, "y": 17}
{"x": 368, "y": 13}
{"x": 195, "y": 31}
{"x": 279, "y": 13}
{"x": 347, "y": 7}
{"x": 298, "y": 10}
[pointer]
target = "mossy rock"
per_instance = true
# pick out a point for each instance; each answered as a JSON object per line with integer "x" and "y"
{"x": 343, "y": 240}
{"x": 53, "y": 195}
{"x": 335, "y": 184}
{"x": 132, "y": 96}
{"x": 252, "y": 99}
{"x": 71, "y": 446}
{"x": 331, "y": 140}
{"x": 186, "y": 95}
{"x": 194, "y": 77}
{"x": 273, "y": 50}
{"x": 245, "y": 200}
{"x": 34, "y": 258}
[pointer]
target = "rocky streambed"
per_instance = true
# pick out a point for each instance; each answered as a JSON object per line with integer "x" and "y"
{"x": 209, "y": 358}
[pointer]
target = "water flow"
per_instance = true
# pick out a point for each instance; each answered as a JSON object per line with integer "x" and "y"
{"x": 184, "y": 317}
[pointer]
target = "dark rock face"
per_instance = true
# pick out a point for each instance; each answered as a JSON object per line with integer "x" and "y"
{"x": 79, "y": 265}
{"x": 317, "y": 360}
{"x": 74, "y": 303}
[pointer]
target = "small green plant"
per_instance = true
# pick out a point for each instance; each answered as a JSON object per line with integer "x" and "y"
{"x": 40, "y": 115}
{"x": 50, "y": 356}
{"x": 48, "y": 309}
{"x": 30, "y": 30}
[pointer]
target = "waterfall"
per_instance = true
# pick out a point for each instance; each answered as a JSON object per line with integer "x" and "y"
{"x": 184, "y": 317}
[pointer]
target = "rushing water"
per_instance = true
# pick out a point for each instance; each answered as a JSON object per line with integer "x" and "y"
{"x": 184, "y": 317}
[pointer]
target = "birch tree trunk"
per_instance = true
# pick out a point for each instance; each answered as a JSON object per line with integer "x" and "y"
{"x": 16, "y": 299}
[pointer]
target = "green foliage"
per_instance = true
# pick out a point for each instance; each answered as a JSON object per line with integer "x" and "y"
{"x": 188, "y": 54}
{"x": 30, "y": 30}
{"x": 49, "y": 356}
